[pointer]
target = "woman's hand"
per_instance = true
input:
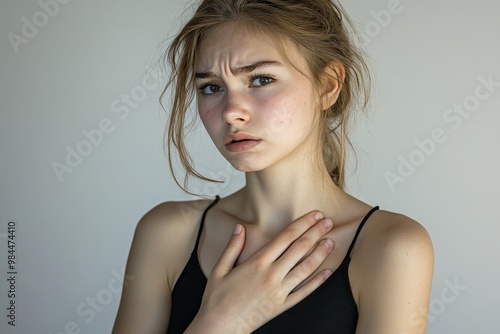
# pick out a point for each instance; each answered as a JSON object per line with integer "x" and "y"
{"x": 243, "y": 298}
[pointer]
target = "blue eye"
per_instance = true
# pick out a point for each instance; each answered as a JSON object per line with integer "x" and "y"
{"x": 209, "y": 89}
{"x": 261, "y": 80}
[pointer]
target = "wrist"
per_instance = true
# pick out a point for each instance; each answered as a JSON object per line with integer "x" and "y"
{"x": 212, "y": 325}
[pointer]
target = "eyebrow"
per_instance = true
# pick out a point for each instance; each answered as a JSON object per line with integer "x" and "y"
{"x": 238, "y": 70}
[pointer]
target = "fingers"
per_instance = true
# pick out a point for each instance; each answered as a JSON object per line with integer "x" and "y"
{"x": 312, "y": 262}
{"x": 275, "y": 248}
{"x": 304, "y": 245}
{"x": 231, "y": 253}
{"x": 307, "y": 289}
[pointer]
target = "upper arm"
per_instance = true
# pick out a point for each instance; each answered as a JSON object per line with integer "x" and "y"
{"x": 394, "y": 297}
{"x": 145, "y": 302}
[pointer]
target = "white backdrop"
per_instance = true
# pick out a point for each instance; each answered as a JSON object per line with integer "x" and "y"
{"x": 81, "y": 150}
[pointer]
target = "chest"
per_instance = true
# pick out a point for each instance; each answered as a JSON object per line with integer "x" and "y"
{"x": 215, "y": 237}
{"x": 331, "y": 308}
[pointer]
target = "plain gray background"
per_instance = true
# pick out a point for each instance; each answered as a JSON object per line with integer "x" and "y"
{"x": 85, "y": 65}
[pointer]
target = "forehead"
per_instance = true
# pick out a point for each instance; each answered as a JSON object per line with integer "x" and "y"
{"x": 238, "y": 46}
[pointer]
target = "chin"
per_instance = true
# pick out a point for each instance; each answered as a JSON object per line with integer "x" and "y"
{"x": 246, "y": 166}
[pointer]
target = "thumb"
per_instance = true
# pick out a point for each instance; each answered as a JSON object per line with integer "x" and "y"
{"x": 231, "y": 253}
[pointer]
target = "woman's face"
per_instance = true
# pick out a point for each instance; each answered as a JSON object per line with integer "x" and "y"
{"x": 258, "y": 110}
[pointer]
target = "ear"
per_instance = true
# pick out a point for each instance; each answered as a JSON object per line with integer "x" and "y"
{"x": 333, "y": 80}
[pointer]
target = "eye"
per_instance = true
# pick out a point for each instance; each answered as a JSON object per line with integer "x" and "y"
{"x": 261, "y": 80}
{"x": 209, "y": 89}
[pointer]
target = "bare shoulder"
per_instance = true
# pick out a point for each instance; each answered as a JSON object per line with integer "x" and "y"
{"x": 161, "y": 223}
{"x": 392, "y": 274}
{"x": 395, "y": 229}
{"x": 388, "y": 235}
{"x": 169, "y": 227}
{"x": 159, "y": 250}
{"x": 171, "y": 215}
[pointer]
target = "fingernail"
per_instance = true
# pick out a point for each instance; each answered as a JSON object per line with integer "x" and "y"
{"x": 327, "y": 274}
{"x": 328, "y": 243}
{"x": 328, "y": 223}
{"x": 237, "y": 229}
{"x": 318, "y": 215}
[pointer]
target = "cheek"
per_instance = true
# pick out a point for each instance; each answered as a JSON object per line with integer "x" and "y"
{"x": 208, "y": 121}
{"x": 211, "y": 122}
{"x": 208, "y": 109}
{"x": 204, "y": 111}
{"x": 277, "y": 112}
{"x": 288, "y": 111}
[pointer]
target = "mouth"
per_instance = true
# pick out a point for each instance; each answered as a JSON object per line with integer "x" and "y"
{"x": 239, "y": 137}
{"x": 240, "y": 142}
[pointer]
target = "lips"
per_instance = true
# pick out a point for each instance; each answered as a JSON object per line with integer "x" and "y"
{"x": 238, "y": 137}
{"x": 240, "y": 142}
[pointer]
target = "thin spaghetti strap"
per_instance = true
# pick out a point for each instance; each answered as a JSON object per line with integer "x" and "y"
{"x": 359, "y": 229}
{"x": 203, "y": 220}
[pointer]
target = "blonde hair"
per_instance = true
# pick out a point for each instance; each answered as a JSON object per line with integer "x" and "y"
{"x": 319, "y": 28}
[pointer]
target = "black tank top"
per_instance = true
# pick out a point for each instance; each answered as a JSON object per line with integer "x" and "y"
{"x": 328, "y": 309}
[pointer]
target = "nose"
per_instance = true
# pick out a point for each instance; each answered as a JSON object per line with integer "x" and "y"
{"x": 236, "y": 110}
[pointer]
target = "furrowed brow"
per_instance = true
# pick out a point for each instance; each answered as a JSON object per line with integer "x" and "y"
{"x": 239, "y": 70}
{"x": 254, "y": 66}
{"x": 204, "y": 75}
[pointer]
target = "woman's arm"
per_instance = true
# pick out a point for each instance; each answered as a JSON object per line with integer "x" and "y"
{"x": 145, "y": 302}
{"x": 398, "y": 264}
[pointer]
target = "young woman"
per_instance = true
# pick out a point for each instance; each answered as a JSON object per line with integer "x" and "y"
{"x": 276, "y": 82}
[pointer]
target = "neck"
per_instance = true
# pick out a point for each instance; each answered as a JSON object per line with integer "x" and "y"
{"x": 275, "y": 197}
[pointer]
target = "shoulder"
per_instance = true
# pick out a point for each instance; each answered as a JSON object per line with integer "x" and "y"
{"x": 160, "y": 244}
{"x": 393, "y": 237}
{"x": 395, "y": 262}
{"x": 401, "y": 236}
{"x": 166, "y": 229}
{"x": 171, "y": 215}
{"x": 395, "y": 230}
